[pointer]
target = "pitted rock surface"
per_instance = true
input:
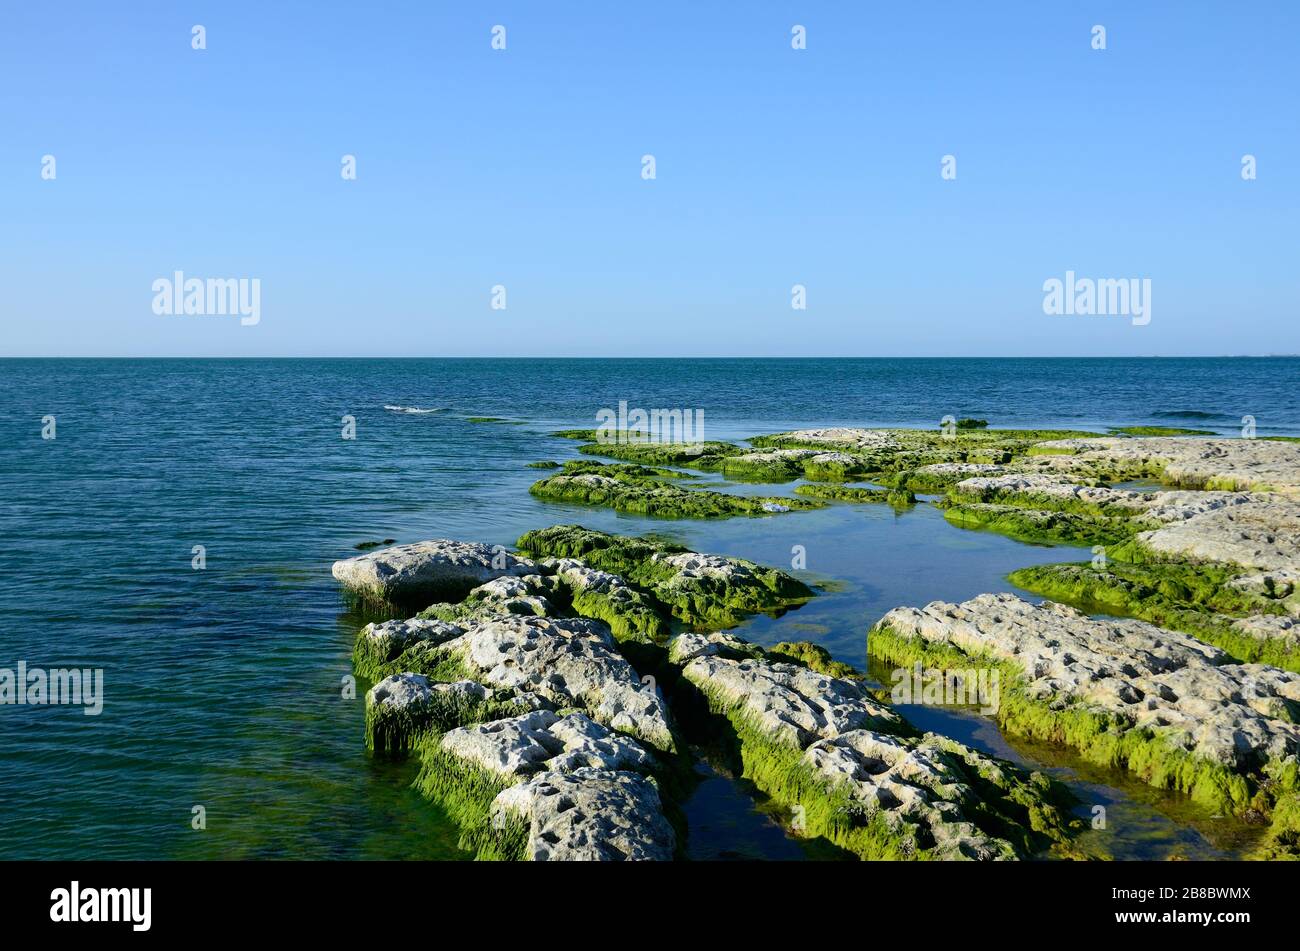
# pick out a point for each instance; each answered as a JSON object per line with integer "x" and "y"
{"x": 543, "y": 741}
{"x": 570, "y": 661}
{"x": 589, "y": 815}
{"x": 790, "y": 704}
{"x": 423, "y": 572}
{"x": 1233, "y": 714}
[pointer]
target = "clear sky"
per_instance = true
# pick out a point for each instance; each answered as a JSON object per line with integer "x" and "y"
{"x": 774, "y": 167}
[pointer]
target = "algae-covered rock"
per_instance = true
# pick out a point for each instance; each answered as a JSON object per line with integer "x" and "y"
{"x": 423, "y": 572}
{"x": 604, "y": 596}
{"x": 694, "y": 455}
{"x": 542, "y": 741}
{"x": 853, "y": 771}
{"x": 786, "y": 702}
{"x": 529, "y": 594}
{"x": 588, "y": 815}
{"x": 847, "y": 493}
{"x": 570, "y": 662}
{"x": 1041, "y": 525}
{"x": 1255, "y": 531}
{"x": 380, "y": 644}
{"x": 664, "y": 500}
{"x": 697, "y": 588}
{"x": 403, "y": 708}
{"x": 1190, "y": 462}
{"x": 496, "y": 780}
{"x": 1124, "y": 692}
{"x": 814, "y": 657}
{"x": 941, "y": 476}
{"x": 1245, "y": 619}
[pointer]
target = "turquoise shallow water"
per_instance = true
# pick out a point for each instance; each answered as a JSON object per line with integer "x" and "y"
{"x": 222, "y": 686}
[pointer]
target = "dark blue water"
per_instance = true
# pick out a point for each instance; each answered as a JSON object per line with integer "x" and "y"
{"x": 223, "y": 686}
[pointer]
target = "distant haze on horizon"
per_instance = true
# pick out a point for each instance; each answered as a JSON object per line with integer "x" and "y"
{"x": 522, "y": 168}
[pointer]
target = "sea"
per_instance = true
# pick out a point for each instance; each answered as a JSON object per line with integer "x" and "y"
{"x": 172, "y": 524}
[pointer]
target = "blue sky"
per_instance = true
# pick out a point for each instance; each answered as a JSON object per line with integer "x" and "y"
{"x": 775, "y": 167}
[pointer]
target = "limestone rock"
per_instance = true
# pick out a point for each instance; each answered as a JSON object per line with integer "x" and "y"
{"x": 786, "y": 702}
{"x": 589, "y": 815}
{"x": 571, "y": 662}
{"x": 1168, "y": 682}
{"x": 423, "y": 572}
{"x": 543, "y": 741}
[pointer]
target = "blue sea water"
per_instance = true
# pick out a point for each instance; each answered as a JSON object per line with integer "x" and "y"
{"x": 223, "y": 686}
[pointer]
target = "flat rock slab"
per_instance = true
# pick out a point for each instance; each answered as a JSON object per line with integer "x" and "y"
{"x": 424, "y": 572}
{"x": 1171, "y": 683}
{"x": 1255, "y": 531}
{"x": 589, "y": 814}
{"x": 1196, "y": 462}
{"x": 840, "y": 437}
{"x": 786, "y": 702}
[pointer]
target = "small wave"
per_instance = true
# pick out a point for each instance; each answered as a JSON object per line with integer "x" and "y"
{"x": 414, "y": 409}
{"x": 1187, "y": 414}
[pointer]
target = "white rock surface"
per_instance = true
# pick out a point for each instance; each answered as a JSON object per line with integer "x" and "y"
{"x": 437, "y": 570}
{"x": 520, "y": 746}
{"x": 570, "y": 661}
{"x": 911, "y": 782}
{"x": 1163, "y": 680}
{"x": 385, "y": 640}
{"x": 791, "y": 704}
{"x": 589, "y": 815}
{"x": 1194, "y": 461}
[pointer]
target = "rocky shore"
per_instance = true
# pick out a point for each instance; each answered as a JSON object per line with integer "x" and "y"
{"x": 555, "y": 694}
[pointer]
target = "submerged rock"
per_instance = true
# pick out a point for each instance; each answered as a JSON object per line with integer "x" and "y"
{"x": 588, "y": 815}
{"x": 423, "y": 572}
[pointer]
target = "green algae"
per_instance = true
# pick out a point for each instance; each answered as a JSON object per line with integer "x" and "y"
{"x": 970, "y": 423}
{"x": 701, "y": 598}
{"x": 1100, "y": 737}
{"x": 845, "y": 493}
{"x": 366, "y": 546}
{"x": 814, "y": 657}
{"x": 1194, "y": 599}
{"x": 637, "y": 496}
{"x": 1038, "y": 525}
{"x": 635, "y": 617}
{"x": 696, "y": 455}
{"x": 543, "y": 464}
{"x": 397, "y": 731}
{"x": 1026, "y": 811}
{"x": 466, "y": 793}
{"x": 628, "y": 472}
